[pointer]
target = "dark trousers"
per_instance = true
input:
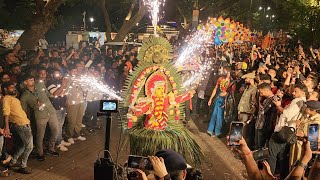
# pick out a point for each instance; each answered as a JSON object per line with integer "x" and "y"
{"x": 278, "y": 152}
{"x": 260, "y": 138}
{"x": 248, "y": 130}
{"x": 90, "y": 117}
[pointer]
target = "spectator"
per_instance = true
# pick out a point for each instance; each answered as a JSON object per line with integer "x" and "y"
{"x": 75, "y": 107}
{"x": 310, "y": 116}
{"x": 267, "y": 116}
{"x": 13, "y": 112}
{"x": 247, "y": 106}
{"x": 57, "y": 87}
{"x": 36, "y": 97}
{"x": 278, "y": 149}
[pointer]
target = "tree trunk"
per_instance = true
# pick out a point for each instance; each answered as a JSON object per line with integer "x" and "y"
{"x": 107, "y": 20}
{"x": 131, "y": 23}
{"x": 39, "y": 27}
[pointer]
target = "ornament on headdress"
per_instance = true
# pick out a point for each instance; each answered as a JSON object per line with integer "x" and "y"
{"x": 156, "y": 50}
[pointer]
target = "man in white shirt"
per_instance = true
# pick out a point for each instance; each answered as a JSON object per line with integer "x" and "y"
{"x": 289, "y": 115}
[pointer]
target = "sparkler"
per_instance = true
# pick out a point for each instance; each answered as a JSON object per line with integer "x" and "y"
{"x": 95, "y": 85}
{"x": 154, "y": 8}
{"x": 198, "y": 75}
{"x": 194, "y": 47}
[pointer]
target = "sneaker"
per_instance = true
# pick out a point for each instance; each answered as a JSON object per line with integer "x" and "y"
{"x": 65, "y": 143}
{"x": 53, "y": 153}
{"x": 62, "y": 148}
{"x": 13, "y": 165}
{"x": 24, "y": 170}
{"x": 71, "y": 141}
{"x": 4, "y": 172}
{"x": 91, "y": 130}
{"x": 210, "y": 133}
{"x": 82, "y": 125}
{"x": 41, "y": 157}
{"x": 81, "y": 138}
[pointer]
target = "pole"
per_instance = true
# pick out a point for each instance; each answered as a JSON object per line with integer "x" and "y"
{"x": 107, "y": 136}
{"x": 84, "y": 20}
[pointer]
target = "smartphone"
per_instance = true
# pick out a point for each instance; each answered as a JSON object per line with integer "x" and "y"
{"x": 261, "y": 154}
{"x": 313, "y": 136}
{"x": 139, "y": 162}
{"x": 236, "y": 129}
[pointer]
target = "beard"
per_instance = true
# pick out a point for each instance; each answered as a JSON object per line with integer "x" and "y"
{"x": 12, "y": 93}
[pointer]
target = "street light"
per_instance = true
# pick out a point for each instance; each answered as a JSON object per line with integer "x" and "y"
{"x": 260, "y": 8}
{"x": 91, "y": 20}
{"x": 268, "y": 8}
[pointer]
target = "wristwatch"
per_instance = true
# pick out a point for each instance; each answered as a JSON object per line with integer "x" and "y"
{"x": 299, "y": 163}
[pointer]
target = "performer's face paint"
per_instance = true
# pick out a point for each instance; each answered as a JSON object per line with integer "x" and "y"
{"x": 159, "y": 91}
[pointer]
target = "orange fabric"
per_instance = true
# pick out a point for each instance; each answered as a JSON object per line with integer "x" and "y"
{"x": 266, "y": 42}
{"x": 129, "y": 64}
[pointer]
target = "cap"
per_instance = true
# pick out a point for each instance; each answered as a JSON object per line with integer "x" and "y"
{"x": 314, "y": 105}
{"x": 173, "y": 160}
{"x": 249, "y": 75}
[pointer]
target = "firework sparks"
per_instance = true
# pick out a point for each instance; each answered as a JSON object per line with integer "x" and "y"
{"x": 95, "y": 85}
{"x": 154, "y": 8}
{"x": 198, "y": 75}
{"x": 195, "y": 44}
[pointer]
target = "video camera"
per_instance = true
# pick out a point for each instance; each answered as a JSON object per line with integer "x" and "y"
{"x": 108, "y": 106}
{"x": 104, "y": 167}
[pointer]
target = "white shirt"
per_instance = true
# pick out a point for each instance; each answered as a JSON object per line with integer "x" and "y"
{"x": 290, "y": 114}
{"x": 43, "y": 44}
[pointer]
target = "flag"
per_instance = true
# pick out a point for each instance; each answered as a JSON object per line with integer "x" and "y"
{"x": 266, "y": 41}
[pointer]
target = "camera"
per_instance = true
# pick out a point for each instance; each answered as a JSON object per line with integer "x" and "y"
{"x": 109, "y": 106}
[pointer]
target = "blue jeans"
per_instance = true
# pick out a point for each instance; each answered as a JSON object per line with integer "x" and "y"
{"x": 216, "y": 120}
{"x": 24, "y": 151}
{"x": 61, "y": 116}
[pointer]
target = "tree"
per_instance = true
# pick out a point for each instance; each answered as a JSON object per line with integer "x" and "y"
{"x": 208, "y": 8}
{"x": 130, "y": 20}
{"x": 43, "y": 20}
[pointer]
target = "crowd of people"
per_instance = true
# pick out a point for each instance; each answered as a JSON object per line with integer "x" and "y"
{"x": 273, "y": 91}
{"x": 43, "y": 106}
{"x": 269, "y": 89}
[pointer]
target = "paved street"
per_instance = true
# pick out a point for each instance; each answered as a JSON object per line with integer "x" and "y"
{"x": 77, "y": 163}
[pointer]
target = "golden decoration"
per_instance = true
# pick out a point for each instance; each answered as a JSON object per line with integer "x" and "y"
{"x": 156, "y": 50}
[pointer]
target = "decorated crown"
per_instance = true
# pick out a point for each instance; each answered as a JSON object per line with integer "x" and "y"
{"x": 156, "y": 50}
{"x": 156, "y": 79}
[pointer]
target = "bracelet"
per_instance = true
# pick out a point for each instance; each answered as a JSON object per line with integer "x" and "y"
{"x": 247, "y": 154}
{"x": 299, "y": 163}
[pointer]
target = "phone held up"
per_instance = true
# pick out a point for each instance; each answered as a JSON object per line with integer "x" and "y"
{"x": 313, "y": 136}
{"x": 236, "y": 129}
{"x": 139, "y": 162}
